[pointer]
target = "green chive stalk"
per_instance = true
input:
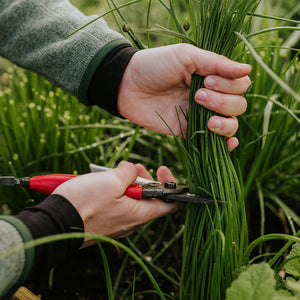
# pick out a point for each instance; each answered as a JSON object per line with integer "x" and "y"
{"x": 215, "y": 235}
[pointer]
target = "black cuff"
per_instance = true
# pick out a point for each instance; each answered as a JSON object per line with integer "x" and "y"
{"x": 54, "y": 215}
{"x": 104, "y": 86}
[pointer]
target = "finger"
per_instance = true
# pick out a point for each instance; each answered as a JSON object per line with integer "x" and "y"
{"x": 125, "y": 173}
{"x": 88, "y": 242}
{"x": 150, "y": 209}
{"x": 223, "y": 126}
{"x": 232, "y": 143}
{"x": 225, "y": 104}
{"x": 123, "y": 234}
{"x": 143, "y": 172}
{"x": 164, "y": 174}
{"x": 208, "y": 63}
{"x": 227, "y": 85}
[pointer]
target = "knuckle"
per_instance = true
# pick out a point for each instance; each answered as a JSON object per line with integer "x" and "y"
{"x": 128, "y": 227}
{"x": 224, "y": 58}
{"x": 183, "y": 46}
{"x": 222, "y": 101}
{"x": 141, "y": 215}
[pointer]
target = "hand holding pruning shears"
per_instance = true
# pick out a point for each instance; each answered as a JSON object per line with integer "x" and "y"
{"x": 114, "y": 202}
{"x": 142, "y": 188}
{"x": 158, "y": 80}
{"x": 99, "y": 199}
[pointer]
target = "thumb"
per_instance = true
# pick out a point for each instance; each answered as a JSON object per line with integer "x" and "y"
{"x": 208, "y": 63}
{"x": 126, "y": 174}
{"x": 164, "y": 174}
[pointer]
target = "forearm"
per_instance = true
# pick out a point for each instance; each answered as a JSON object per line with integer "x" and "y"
{"x": 33, "y": 34}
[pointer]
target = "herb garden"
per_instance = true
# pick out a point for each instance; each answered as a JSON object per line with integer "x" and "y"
{"x": 248, "y": 247}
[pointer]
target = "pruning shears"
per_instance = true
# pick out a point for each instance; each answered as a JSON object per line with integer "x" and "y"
{"x": 168, "y": 192}
{"x": 142, "y": 189}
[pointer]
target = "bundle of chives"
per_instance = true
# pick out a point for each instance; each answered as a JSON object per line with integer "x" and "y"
{"x": 215, "y": 236}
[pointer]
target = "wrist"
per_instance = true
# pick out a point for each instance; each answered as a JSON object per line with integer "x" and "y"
{"x": 55, "y": 215}
{"x": 104, "y": 86}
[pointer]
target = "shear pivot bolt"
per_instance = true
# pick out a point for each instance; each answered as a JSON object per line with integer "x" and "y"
{"x": 170, "y": 185}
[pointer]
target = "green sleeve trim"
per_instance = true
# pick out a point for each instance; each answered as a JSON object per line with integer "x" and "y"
{"x": 29, "y": 253}
{"x": 93, "y": 65}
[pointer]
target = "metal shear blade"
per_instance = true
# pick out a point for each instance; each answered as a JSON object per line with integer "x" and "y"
{"x": 170, "y": 192}
{"x": 191, "y": 198}
{"x": 8, "y": 181}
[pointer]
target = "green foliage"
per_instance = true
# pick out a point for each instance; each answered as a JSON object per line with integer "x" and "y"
{"x": 255, "y": 283}
{"x": 292, "y": 265}
{"x": 269, "y": 151}
{"x": 259, "y": 281}
{"x": 294, "y": 286}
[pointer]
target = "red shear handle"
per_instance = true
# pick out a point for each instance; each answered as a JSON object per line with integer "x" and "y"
{"x": 46, "y": 184}
{"x": 134, "y": 191}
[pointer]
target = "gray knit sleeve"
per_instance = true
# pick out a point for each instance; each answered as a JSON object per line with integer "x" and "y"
{"x": 33, "y": 35}
{"x": 14, "y": 266}
{"x": 11, "y": 267}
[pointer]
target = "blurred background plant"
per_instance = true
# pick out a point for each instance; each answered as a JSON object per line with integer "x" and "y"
{"x": 268, "y": 156}
{"x": 43, "y": 130}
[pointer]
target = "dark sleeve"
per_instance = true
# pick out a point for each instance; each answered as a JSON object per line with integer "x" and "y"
{"x": 54, "y": 215}
{"x": 104, "y": 86}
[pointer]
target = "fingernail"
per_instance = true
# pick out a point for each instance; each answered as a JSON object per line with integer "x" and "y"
{"x": 246, "y": 66}
{"x": 210, "y": 82}
{"x": 200, "y": 96}
{"x": 216, "y": 124}
{"x": 243, "y": 64}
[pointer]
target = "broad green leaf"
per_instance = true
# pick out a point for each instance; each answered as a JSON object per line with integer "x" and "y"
{"x": 293, "y": 261}
{"x": 257, "y": 283}
{"x": 294, "y": 285}
{"x": 283, "y": 295}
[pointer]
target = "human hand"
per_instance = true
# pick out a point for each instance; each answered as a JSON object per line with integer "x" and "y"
{"x": 158, "y": 80}
{"x": 100, "y": 201}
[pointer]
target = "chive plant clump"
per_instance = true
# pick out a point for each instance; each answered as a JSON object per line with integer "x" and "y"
{"x": 215, "y": 235}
